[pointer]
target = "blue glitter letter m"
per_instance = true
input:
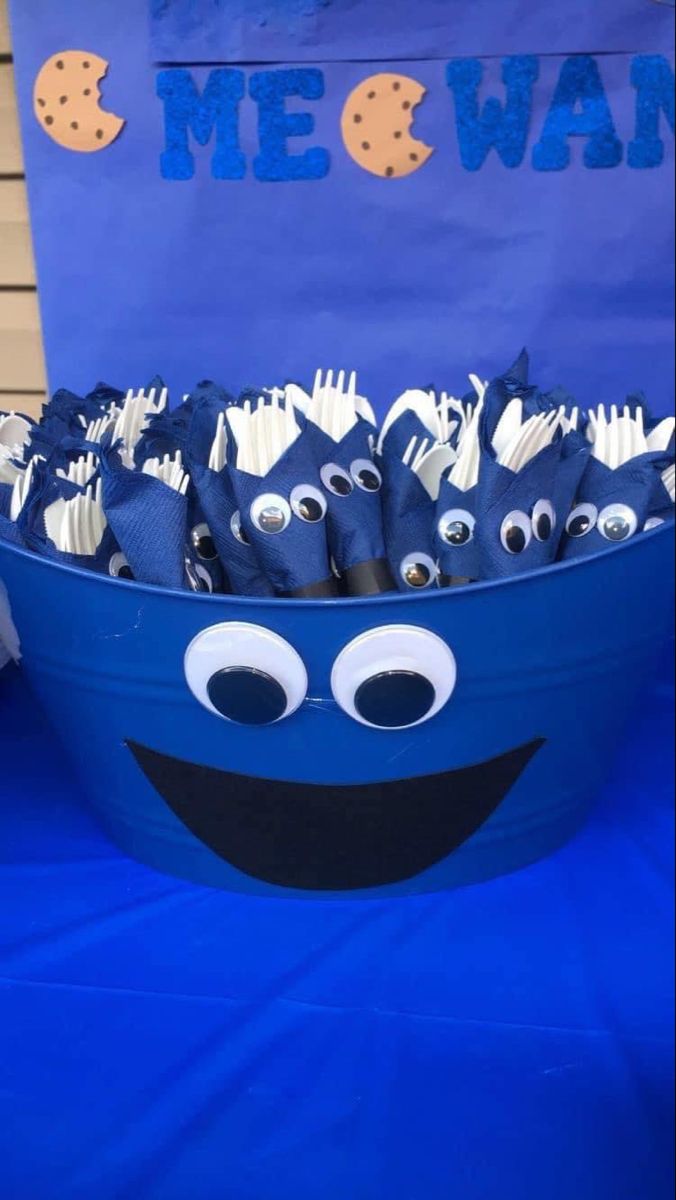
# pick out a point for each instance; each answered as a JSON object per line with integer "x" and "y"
{"x": 185, "y": 110}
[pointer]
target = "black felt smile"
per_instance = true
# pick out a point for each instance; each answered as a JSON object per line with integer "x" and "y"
{"x": 326, "y": 837}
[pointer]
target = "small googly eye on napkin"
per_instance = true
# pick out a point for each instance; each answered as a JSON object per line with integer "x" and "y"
{"x": 342, "y": 432}
{"x": 282, "y": 511}
{"x": 409, "y": 494}
{"x": 618, "y": 491}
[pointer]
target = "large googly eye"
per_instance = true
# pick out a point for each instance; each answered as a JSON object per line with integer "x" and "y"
{"x": 308, "y": 503}
{"x": 544, "y": 520}
{"x": 366, "y": 475}
{"x": 271, "y": 513}
{"x": 582, "y": 520}
{"x": 336, "y": 480}
{"x": 237, "y": 529}
{"x": 653, "y": 523}
{"x": 456, "y": 527}
{"x": 245, "y": 673}
{"x": 516, "y": 533}
{"x": 617, "y": 523}
{"x": 394, "y": 677}
{"x": 118, "y": 568}
{"x": 199, "y": 579}
{"x": 418, "y": 571}
{"x": 203, "y": 543}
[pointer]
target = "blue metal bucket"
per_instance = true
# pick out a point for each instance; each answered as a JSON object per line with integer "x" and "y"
{"x": 541, "y": 673}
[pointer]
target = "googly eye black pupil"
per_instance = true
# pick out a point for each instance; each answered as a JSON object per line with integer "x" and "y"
{"x": 580, "y": 525}
{"x": 271, "y": 520}
{"x": 515, "y": 539}
{"x": 206, "y": 548}
{"x": 126, "y": 573}
{"x": 310, "y": 509}
{"x": 247, "y": 696}
{"x": 394, "y": 699}
{"x": 544, "y": 527}
{"x": 417, "y": 575}
{"x": 457, "y": 533}
{"x": 369, "y": 480}
{"x": 617, "y": 529}
{"x": 340, "y": 485}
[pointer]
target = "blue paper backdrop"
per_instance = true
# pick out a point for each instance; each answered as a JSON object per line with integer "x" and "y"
{"x": 413, "y": 280}
{"x": 325, "y": 30}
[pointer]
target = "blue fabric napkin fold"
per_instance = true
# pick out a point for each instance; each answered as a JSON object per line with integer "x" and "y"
{"x": 355, "y": 512}
{"x": 408, "y": 516}
{"x": 612, "y": 506}
{"x": 292, "y": 551}
{"x": 149, "y": 520}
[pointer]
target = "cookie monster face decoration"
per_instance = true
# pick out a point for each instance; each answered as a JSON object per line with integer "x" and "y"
{"x": 389, "y": 685}
{"x": 625, "y": 487}
{"x": 342, "y": 433}
{"x": 529, "y": 475}
{"x": 410, "y": 491}
{"x": 281, "y": 508}
{"x": 612, "y": 506}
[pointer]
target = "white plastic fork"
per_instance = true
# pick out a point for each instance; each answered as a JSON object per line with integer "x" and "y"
{"x": 219, "y": 451}
{"x": 660, "y": 437}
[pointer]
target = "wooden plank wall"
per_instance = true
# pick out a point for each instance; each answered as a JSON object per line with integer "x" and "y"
{"x": 22, "y": 371}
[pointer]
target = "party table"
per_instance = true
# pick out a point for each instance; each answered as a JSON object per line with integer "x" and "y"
{"x": 165, "y": 1042}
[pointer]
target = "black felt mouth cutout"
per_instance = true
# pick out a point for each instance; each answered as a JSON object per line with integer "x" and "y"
{"x": 327, "y": 837}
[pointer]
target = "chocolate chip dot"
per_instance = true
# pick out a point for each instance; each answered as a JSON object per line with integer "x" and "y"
{"x": 372, "y": 95}
{"x": 99, "y": 134}
{"x": 357, "y": 119}
{"x": 49, "y": 120}
{"x": 406, "y": 105}
{"x": 60, "y": 65}
{"x": 42, "y": 103}
{"x": 398, "y": 136}
{"x": 74, "y": 125}
{"x": 389, "y": 172}
{"x": 63, "y": 100}
{"x": 414, "y": 157}
{"x": 366, "y": 145}
{"x": 397, "y": 87}
{"x": 87, "y": 92}
{"x": 86, "y": 66}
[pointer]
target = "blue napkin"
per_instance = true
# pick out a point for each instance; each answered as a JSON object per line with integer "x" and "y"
{"x": 521, "y": 516}
{"x": 283, "y": 516}
{"x": 408, "y": 516}
{"x": 612, "y": 506}
{"x": 455, "y": 541}
{"x": 149, "y": 520}
{"x": 352, "y": 484}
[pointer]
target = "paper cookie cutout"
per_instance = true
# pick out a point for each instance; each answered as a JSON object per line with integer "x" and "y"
{"x": 66, "y": 102}
{"x": 376, "y": 126}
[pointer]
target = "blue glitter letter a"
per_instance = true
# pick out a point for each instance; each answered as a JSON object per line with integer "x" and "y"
{"x": 579, "y": 109}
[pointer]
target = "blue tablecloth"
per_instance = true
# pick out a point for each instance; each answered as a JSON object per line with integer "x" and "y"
{"x": 164, "y": 1042}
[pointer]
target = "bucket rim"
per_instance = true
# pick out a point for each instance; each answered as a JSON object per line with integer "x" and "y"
{"x": 433, "y": 595}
